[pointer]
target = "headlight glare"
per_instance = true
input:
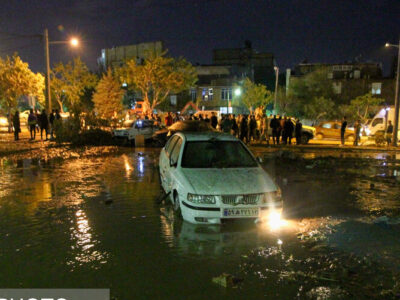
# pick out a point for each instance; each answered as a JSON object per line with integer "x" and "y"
{"x": 201, "y": 199}
{"x": 274, "y": 197}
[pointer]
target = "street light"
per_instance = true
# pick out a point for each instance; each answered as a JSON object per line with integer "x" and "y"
{"x": 238, "y": 92}
{"x": 396, "y": 96}
{"x": 276, "y": 86}
{"x": 73, "y": 42}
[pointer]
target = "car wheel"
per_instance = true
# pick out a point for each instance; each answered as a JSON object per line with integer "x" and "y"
{"x": 304, "y": 139}
{"x": 176, "y": 204}
{"x": 320, "y": 136}
{"x": 351, "y": 138}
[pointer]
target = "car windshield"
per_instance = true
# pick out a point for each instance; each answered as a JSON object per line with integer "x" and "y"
{"x": 217, "y": 154}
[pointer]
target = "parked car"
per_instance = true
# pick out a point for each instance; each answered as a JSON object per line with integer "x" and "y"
{"x": 162, "y": 136}
{"x": 211, "y": 177}
{"x": 132, "y": 128}
{"x": 331, "y": 130}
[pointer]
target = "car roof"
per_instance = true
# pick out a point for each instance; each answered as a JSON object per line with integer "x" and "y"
{"x": 191, "y": 125}
{"x": 205, "y": 136}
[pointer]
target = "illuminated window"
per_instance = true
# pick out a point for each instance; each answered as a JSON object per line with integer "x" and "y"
{"x": 226, "y": 94}
{"x": 376, "y": 88}
{"x": 337, "y": 87}
{"x": 193, "y": 94}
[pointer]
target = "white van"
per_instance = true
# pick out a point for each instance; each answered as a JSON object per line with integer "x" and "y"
{"x": 380, "y": 121}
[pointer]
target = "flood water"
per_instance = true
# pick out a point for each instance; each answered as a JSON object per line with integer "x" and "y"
{"x": 96, "y": 222}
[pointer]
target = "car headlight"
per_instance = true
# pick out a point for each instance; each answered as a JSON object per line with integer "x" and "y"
{"x": 274, "y": 198}
{"x": 201, "y": 199}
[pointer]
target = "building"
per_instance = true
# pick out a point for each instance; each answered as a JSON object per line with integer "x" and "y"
{"x": 116, "y": 56}
{"x": 218, "y": 86}
{"x": 350, "y": 80}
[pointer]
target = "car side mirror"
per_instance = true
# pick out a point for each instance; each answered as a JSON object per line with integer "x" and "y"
{"x": 259, "y": 159}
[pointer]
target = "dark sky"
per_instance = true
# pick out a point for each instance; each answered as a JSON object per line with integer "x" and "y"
{"x": 294, "y": 30}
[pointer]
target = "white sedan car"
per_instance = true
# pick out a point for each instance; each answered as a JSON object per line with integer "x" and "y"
{"x": 133, "y": 128}
{"x": 212, "y": 176}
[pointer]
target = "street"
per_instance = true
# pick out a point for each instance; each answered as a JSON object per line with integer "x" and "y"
{"x": 96, "y": 221}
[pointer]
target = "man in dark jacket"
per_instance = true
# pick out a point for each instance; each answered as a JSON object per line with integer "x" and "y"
{"x": 274, "y": 126}
{"x": 343, "y": 130}
{"x": 17, "y": 125}
{"x": 288, "y": 129}
{"x": 244, "y": 129}
{"x": 214, "y": 120}
{"x": 298, "y": 130}
{"x": 32, "y": 121}
{"x": 43, "y": 124}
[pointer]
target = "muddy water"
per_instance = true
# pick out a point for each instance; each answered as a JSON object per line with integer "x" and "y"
{"x": 95, "y": 222}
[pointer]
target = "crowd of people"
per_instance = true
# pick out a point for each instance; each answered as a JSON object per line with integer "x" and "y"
{"x": 37, "y": 122}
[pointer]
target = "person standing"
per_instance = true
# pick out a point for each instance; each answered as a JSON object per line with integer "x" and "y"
{"x": 226, "y": 124}
{"x": 298, "y": 130}
{"x": 43, "y": 124}
{"x": 389, "y": 133}
{"x": 32, "y": 121}
{"x": 214, "y": 120}
{"x": 244, "y": 129}
{"x": 51, "y": 121}
{"x": 264, "y": 129}
{"x": 357, "y": 130}
{"x": 252, "y": 128}
{"x": 168, "y": 120}
{"x": 235, "y": 127}
{"x": 17, "y": 125}
{"x": 343, "y": 130}
{"x": 274, "y": 126}
{"x": 288, "y": 131}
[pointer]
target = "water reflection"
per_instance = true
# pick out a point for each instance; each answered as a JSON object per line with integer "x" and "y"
{"x": 214, "y": 241}
{"x": 83, "y": 243}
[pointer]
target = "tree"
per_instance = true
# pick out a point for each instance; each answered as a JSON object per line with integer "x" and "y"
{"x": 363, "y": 106}
{"x": 255, "y": 95}
{"x": 304, "y": 90}
{"x": 16, "y": 80}
{"x": 108, "y": 96}
{"x": 69, "y": 82}
{"x": 318, "y": 108}
{"x": 158, "y": 77}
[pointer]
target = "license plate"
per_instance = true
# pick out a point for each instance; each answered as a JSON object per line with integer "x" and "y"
{"x": 240, "y": 212}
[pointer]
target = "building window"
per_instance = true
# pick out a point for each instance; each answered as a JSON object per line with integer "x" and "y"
{"x": 193, "y": 95}
{"x": 226, "y": 94}
{"x": 330, "y": 75}
{"x": 376, "y": 88}
{"x": 337, "y": 87}
{"x": 357, "y": 74}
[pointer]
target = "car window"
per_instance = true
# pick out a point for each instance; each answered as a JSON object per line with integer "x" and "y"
{"x": 217, "y": 154}
{"x": 170, "y": 144}
{"x": 337, "y": 126}
{"x": 377, "y": 121}
{"x": 327, "y": 125}
{"x": 175, "y": 151}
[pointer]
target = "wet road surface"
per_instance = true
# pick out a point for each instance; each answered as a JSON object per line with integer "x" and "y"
{"x": 95, "y": 222}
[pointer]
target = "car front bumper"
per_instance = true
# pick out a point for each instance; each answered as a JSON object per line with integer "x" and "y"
{"x": 216, "y": 215}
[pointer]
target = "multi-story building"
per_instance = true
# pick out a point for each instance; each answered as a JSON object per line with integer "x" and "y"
{"x": 116, "y": 56}
{"x": 219, "y": 84}
{"x": 350, "y": 80}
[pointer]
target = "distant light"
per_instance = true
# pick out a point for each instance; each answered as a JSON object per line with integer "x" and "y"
{"x": 387, "y": 45}
{"x": 279, "y": 242}
{"x": 74, "y": 42}
{"x": 238, "y": 92}
{"x": 124, "y": 84}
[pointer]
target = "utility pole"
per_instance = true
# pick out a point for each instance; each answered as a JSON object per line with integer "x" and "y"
{"x": 276, "y": 86}
{"x": 47, "y": 56}
{"x": 396, "y": 101}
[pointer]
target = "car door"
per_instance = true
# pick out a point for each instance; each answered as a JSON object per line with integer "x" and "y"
{"x": 172, "y": 179}
{"x": 164, "y": 161}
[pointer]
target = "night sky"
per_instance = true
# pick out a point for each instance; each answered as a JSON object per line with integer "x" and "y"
{"x": 294, "y": 30}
